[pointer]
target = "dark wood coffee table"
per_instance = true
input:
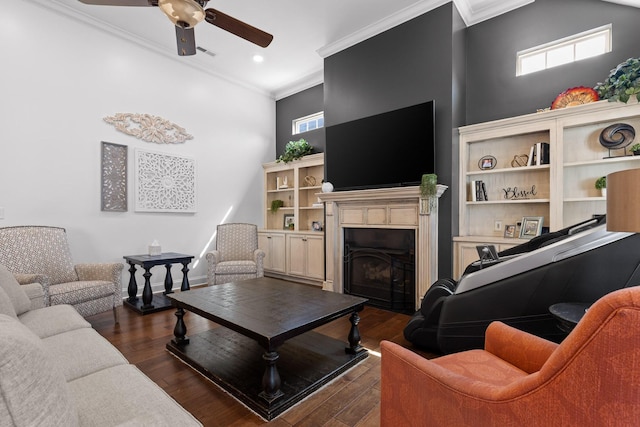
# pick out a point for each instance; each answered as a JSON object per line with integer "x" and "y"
{"x": 267, "y": 355}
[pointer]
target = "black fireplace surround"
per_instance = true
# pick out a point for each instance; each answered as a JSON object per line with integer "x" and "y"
{"x": 379, "y": 264}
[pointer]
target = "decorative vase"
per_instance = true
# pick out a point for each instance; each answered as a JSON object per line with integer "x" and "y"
{"x": 327, "y": 187}
{"x": 603, "y": 192}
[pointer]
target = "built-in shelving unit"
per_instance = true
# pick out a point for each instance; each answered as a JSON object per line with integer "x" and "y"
{"x": 298, "y": 252}
{"x": 562, "y": 192}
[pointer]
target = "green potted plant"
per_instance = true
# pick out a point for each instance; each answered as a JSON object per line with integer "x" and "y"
{"x": 635, "y": 149}
{"x": 622, "y": 83}
{"x": 295, "y": 150}
{"x": 428, "y": 192}
{"x": 601, "y": 184}
{"x": 275, "y": 205}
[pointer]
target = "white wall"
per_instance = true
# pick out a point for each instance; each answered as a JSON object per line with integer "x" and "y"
{"x": 59, "y": 78}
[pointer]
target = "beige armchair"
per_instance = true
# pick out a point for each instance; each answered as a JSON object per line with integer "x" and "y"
{"x": 41, "y": 254}
{"x": 236, "y": 256}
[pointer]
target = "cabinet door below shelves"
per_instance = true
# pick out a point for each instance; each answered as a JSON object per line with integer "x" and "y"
{"x": 305, "y": 256}
{"x": 273, "y": 244}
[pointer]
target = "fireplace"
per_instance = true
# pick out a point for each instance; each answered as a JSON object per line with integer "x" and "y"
{"x": 377, "y": 209}
{"x": 379, "y": 264}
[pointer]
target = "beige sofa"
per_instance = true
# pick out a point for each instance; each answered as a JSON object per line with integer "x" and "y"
{"x": 55, "y": 370}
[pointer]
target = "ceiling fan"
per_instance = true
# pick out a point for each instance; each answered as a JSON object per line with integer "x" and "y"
{"x": 186, "y": 14}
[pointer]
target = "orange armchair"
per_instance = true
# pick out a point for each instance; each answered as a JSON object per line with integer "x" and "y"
{"x": 591, "y": 378}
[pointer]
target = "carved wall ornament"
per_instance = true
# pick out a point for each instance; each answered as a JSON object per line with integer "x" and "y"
{"x": 114, "y": 177}
{"x": 149, "y": 128}
{"x": 165, "y": 183}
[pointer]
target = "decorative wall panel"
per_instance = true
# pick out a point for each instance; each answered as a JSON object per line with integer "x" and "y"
{"x": 114, "y": 177}
{"x": 149, "y": 128}
{"x": 165, "y": 183}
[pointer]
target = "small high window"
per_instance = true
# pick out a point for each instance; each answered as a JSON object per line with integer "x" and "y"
{"x": 569, "y": 49}
{"x": 305, "y": 124}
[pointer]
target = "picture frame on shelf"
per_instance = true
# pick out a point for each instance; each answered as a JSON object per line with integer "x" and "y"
{"x": 510, "y": 231}
{"x": 316, "y": 226}
{"x": 531, "y": 227}
{"x": 487, "y": 162}
{"x": 289, "y": 222}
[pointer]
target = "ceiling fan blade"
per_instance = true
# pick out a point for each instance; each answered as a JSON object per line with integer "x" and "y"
{"x": 239, "y": 28}
{"x": 186, "y": 39}
{"x": 121, "y": 2}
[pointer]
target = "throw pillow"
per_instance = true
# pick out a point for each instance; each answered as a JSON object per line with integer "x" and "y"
{"x": 17, "y": 296}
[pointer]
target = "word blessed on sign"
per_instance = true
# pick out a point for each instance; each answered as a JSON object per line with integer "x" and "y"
{"x": 514, "y": 193}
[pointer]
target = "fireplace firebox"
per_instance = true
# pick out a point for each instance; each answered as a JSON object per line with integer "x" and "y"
{"x": 379, "y": 264}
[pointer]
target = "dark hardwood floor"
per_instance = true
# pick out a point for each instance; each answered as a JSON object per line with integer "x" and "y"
{"x": 351, "y": 400}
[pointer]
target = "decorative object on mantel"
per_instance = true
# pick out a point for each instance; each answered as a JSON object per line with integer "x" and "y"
{"x": 428, "y": 193}
{"x": 617, "y": 136}
{"x": 487, "y": 162}
{"x": 148, "y": 128}
{"x": 114, "y": 177}
{"x": 635, "y": 149}
{"x": 622, "y": 83}
{"x": 519, "y": 160}
{"x": 601, "y": 184}
{"x": 295, "y": 150}
{"x": 327, "y": 187}
{"x": 165, "y": 183}
{"x": 575, "y": 96}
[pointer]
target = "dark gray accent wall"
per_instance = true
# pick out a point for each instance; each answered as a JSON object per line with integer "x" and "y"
{"x": 494, "y": 91}
{"x": 469, "y": 72}
{"x": 301, "y": 104}
{"x": 406, "y": 65}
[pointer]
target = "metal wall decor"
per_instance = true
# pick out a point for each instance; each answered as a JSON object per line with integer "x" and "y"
{"x": 114, "y": 177}
{"x": 149, "y": 128}
{"x": 164, "y": 183}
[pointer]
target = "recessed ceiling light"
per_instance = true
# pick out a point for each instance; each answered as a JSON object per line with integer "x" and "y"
{"x": 258, "y": 58}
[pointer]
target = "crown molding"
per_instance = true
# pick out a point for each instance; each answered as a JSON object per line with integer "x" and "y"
{"x": 309, "y": 81}
{"x": 483, "y": 10}
{"x": 381, "y": 26}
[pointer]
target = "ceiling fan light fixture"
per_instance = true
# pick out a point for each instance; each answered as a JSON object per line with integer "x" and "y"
{"x": 184, "y": 13}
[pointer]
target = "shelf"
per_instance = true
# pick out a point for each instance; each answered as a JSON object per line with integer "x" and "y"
{"x": 585, "y": 199}
{"x": 507, "y": 202}
{"x": 510, "y": 170}
{"x": 282, "y": 190}
{"x": 315, "y": 187}
{"x": 603, "y": 161}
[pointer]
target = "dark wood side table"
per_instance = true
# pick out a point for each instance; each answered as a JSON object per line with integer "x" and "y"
{"x": 160, "y": 302}
{"x": 568, "y": 314}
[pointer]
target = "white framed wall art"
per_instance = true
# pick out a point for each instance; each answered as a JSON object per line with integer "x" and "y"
{"x": 164, "y": 182}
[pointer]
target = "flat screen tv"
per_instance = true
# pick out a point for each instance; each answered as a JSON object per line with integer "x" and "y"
{"x": 391, "y": 149}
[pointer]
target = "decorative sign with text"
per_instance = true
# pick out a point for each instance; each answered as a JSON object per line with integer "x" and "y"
{"x": 517, "y": 193}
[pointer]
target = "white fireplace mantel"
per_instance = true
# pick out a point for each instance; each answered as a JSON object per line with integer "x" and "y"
{"x": 397, "y": 207}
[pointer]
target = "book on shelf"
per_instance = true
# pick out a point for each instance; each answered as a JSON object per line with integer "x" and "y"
{"x": 478, "y": 191}
{"x": 539, "y": 154}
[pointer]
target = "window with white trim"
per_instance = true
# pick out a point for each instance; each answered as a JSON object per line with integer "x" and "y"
{"x": 569, "y": 49}
{"x": 307, "y": 123}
